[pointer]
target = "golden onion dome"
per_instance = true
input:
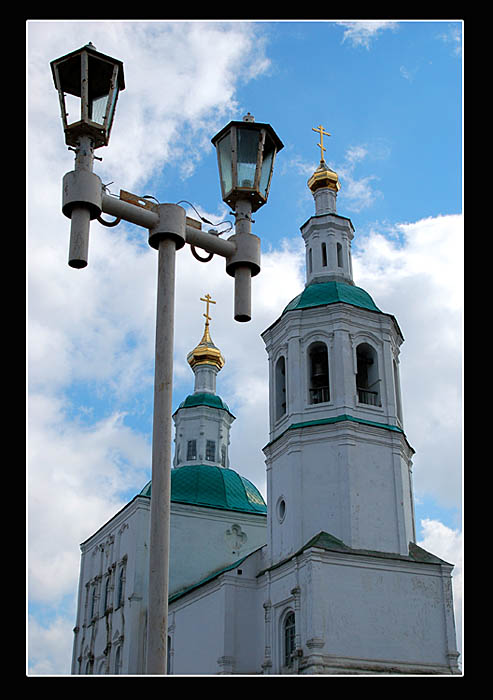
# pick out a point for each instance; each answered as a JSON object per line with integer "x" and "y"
{"x": 324, "y": 177}
{"x": 206, "y": 352}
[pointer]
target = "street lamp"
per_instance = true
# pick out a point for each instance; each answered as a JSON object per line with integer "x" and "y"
{"x": 96, "y": 80}
{"x": 92, "y": 81}
{"x": 246, "y": 153}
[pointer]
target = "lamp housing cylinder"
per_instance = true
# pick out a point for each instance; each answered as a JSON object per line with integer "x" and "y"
{"x": 244, "y": 263}
{"x": 171, "y": 224}
{"x": 79, "y": 238}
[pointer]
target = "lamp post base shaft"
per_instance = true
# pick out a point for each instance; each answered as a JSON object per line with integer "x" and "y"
{"x": 157, "y": 612}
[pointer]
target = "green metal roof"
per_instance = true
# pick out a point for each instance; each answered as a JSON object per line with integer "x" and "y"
{"x": 204, "y": 399}
{"x": 215, "y": 487}
{"x": 322, "y": 293}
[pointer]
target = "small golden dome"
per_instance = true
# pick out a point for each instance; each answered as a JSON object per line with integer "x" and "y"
{"x": 206, "y": 352}
{"x": 324, "y": 177}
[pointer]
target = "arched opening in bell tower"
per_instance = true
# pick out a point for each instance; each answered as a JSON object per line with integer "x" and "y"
{"x": 367, "y": 379}
{"x": 319, "y": 373}
{"x": 280, "y": 384}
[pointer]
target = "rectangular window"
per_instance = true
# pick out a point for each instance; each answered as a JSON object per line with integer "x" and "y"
{"x": 210, "y": 451}
{"x": 192, "y": 449}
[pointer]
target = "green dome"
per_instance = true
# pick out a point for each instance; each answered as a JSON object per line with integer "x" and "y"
{"x": 215, "y": 487}
{"x": 322, "y": 293}
{"x": 204, "y": 399}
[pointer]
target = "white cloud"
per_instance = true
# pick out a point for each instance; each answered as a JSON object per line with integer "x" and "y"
{"x": 362, "y": 32}
{"x": 453, "y": 36}
{"x": 408, "y": 73}
{"x": 359, "y": 192}
{"x": 49, "y": 650}
{"x": 77, "y": 476}
{"x": 416, "y": 274}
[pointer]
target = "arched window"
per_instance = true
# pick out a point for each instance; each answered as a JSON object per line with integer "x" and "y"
{"x": 324, "y": 255}
{"x": 319, "y": 373}
{"x": 289, "y": 639}
{"x": 280, "y": 387}
{"x": 367, "y": 379}
{"x": 107, "y": 600}
{"x": 121, "y": 580}
{"x": 339, "y": 255}
{"x": 92, "y": 608}
{"x": 118, "y": 659}
{"x": 310, "y": 260}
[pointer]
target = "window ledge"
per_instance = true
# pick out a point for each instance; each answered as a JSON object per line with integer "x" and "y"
{"x": 369, "y": 406}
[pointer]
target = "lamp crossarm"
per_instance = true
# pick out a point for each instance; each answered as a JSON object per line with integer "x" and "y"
{"x": 149, "y": 219}
{"x": 85, "y": 198}
{"x": 129, "y": 212}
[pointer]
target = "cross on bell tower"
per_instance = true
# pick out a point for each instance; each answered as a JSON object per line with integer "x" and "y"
{"x": 322, "y": 133}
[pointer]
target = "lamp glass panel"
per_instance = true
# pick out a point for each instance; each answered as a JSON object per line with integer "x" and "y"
{"x": 247, "y": 157}
{"x": 72, "y": 108}
{"x": 100, "y": 74}
{"x": 97, "y": 109}
{"x": 225, "y": 163}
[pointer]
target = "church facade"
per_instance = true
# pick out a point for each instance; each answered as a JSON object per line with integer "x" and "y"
{"x": 324, "y": 578}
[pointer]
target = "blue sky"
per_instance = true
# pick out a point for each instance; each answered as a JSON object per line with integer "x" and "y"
{"x": 390, "y": 94}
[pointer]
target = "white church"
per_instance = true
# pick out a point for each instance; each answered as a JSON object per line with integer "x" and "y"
{"x": 326, "y": 577}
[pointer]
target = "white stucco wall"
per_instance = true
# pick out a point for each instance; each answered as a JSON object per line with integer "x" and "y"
{"x": 203, "y": 540}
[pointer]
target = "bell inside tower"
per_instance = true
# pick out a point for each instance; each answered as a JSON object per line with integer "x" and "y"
{"x": 319, "y": 373}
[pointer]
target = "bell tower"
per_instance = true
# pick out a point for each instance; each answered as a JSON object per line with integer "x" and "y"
{"x": 337, "y": 460}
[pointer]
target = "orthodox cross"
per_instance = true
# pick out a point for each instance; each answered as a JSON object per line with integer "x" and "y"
{"x": 208, "y": 300}
{"x": 321, "y": 131}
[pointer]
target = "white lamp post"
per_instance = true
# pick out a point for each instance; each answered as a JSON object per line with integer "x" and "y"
{"x": 246, "y": 153}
